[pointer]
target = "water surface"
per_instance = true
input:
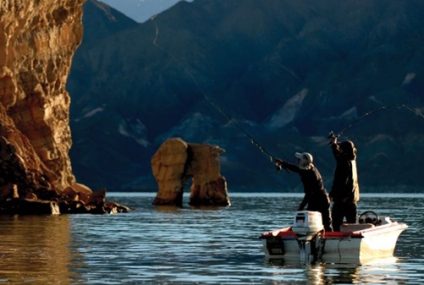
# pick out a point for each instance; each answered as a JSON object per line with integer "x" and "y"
{"x": 192, "y": 246}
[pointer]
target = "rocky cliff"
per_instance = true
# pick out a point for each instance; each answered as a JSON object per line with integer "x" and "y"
{"x": 37, "y": 42}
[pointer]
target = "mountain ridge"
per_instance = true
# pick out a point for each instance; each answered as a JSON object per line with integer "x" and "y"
{"x": 287, "y": 72}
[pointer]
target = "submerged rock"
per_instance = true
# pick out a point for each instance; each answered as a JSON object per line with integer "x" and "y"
{"x": 176, "y": 161}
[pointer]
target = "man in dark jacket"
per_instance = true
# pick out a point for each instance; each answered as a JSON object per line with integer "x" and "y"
{"x": 316, "y": 197}
{"x": 345, "y": 190}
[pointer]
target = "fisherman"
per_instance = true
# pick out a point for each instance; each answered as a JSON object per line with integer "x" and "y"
{"x": 345, "y": 190}
{"x": 316, "y": 197}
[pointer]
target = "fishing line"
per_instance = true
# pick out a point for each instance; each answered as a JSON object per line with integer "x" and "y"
{"x": 207, "y": 98}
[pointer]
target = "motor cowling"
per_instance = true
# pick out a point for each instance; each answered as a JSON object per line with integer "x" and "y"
{"x": 307, "y": 224}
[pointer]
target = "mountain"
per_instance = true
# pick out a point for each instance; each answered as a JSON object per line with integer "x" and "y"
{"x": 287, "y": 72}
{"x": 102, "y": 21}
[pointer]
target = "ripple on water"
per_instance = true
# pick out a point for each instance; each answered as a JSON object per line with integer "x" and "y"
{"x": 171, "y": 245}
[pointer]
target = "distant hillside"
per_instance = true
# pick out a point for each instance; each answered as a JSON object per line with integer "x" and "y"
{"x": 102, "y": 21}
{"x": 288, "y": 71}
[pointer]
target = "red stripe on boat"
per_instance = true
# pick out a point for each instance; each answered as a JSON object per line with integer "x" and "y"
{"x": 289, "y": 234}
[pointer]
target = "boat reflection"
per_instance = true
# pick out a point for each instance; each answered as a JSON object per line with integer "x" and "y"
{"x": 373, "y": 272}
{"x": 35, "y": 250}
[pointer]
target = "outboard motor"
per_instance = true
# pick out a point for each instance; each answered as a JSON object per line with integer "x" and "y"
{"x": 307, "y": 224}
{"x": 308, "y": 228}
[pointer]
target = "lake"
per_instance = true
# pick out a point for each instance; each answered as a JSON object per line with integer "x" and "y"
{"x": 193, "y": 246}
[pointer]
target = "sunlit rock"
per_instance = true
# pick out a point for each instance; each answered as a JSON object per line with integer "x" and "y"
{"x": 176, "y": 161}
{"x": 37, "y": 42}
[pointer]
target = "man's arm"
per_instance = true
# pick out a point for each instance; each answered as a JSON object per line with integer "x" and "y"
{"x": 285, "y": 165}
{"x": 335, "y": 147}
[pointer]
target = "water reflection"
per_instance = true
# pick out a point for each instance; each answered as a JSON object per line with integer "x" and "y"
{"x": 34, "y": 249}
{"x": 378, "y": 271}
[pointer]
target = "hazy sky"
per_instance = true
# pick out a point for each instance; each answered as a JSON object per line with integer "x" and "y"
{"x": 140, "y": 10}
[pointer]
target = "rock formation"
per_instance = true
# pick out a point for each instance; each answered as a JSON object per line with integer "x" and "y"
{"x": 37, "y": 43}
{"x": 176, "y": 161}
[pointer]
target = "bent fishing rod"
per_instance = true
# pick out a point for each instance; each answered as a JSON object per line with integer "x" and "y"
{"x": 373, "y": 112}
{"x": 207, "y": 98}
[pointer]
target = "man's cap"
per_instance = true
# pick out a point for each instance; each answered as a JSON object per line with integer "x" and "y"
{"x": 304, "y": 156}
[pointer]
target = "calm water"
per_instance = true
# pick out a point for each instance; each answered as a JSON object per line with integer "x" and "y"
{"x": 192, "y": 246}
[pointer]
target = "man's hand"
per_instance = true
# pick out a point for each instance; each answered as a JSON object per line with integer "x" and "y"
{"x": 332, "y": 137}
{"x": 279, "y": 164}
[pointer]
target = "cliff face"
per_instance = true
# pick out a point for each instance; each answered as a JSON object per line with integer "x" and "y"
{"x": 37, "y": 43}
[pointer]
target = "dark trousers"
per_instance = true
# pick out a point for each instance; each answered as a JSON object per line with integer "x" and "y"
{"x": 343, "y": 210}
{"x": 324, "y": 209}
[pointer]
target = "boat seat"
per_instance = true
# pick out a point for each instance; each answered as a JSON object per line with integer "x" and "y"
{"x": 355, "y": 227}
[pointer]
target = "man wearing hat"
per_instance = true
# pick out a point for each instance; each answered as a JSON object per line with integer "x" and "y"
{"x": 316, "y": 197}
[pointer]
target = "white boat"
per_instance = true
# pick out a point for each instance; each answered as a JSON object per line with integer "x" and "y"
{"x": 306, "y": 241}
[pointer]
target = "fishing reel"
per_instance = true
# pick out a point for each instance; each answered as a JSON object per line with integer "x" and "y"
{"x": 279, "y": 164}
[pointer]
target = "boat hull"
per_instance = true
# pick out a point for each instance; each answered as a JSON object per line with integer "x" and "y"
{"x": 335, "y": 247}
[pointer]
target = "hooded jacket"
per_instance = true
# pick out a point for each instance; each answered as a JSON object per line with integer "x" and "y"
{"x": 345, "y": 187}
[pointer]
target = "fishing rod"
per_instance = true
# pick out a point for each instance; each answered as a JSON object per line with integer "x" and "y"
{"x": 373, "y": 112}
{"x": 207, "y": 98}
{"x": 252, "y": 140}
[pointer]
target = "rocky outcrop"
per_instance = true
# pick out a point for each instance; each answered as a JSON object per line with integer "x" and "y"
{"x": 37, "y": 42}
{"x": 176, "y": 161}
